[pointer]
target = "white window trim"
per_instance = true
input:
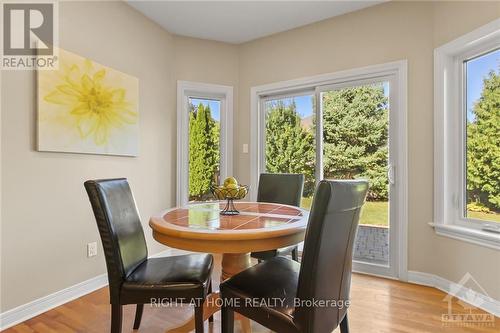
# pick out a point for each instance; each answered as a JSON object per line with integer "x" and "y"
{"x": 449, "y": 129}
{"x": 397, "y": 68}
{"x": 186, "y": 89}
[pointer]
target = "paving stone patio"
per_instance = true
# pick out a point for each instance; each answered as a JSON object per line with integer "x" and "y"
{"x": 372, "y": 244}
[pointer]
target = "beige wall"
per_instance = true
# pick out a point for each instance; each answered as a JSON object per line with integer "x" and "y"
{"x": 380, "y": 34}
{"x": 207, "y": 61}
{"x": 46, "y": 218}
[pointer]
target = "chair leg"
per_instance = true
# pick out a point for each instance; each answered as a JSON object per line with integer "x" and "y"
{"x": 344, "y": 325}
{"x": 138, "y": 316}
{"x": 211, "y": 318}
{"x": 198, "y": 318}
{"x": 295, "y": 254}
{"x": 116, "y": 318}
{"x": 227, "y": 318}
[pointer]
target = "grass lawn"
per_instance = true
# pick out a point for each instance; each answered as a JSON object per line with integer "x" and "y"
{"x": 376, "y": 213}
{"x": 492, "y": 217}
{"x": 373, "y": 212}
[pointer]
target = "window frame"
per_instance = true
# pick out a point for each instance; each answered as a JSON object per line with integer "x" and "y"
{"x": 224, "y": 94}
{"x": 450, "y": 105}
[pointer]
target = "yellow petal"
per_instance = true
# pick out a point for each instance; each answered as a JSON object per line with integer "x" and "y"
{"x": 81, "y": 109}
{"x": 99, "y": 75}
{"x": 88, "y": 65}
{"x": 73, "y": 75}
{"x": 128, "y": 117}
{"x": 117, "y": 116}
{"x": 87, "y": 126}
{"x": 57, "y": 97}
{"x": 87, "y": 83}
{"x": 66, "y": 89}
{"x": 101, "y": 134}
{"x": 118, "y": 95}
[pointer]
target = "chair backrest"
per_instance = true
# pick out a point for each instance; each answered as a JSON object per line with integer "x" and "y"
{"x": 283, "y": 188}
{"x": 120, "y": 228}
{"x": 325, "y": 272}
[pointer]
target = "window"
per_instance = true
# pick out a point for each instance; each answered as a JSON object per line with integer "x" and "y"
{"x": 466, "y": 137}
{"x": 482, "y": 137}
{"x": 204, "y": 139}
{"x": 289, "y": 138}
{"x": 204, "y": 147}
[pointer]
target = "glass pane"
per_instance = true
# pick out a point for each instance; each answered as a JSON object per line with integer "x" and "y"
{"x": 483, "y": 137}
{"x": 289, "y": 139}
{"x": 355, "y": 145}
{"x": 204, "y": 147}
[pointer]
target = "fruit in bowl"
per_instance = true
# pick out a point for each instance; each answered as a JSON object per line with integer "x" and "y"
{"x": 230, "y": 191}
{"x": 230, "y": 181}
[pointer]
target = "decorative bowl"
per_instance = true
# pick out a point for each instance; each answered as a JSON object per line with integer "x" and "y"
{"x": 229, "y": 193}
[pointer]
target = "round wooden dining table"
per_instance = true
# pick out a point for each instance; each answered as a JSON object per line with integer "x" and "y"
{"x": 199, "y": 227}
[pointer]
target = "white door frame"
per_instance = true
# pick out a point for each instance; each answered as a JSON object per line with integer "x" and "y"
{"x": 185, "y": 90}
{"x": 397, "y": 71}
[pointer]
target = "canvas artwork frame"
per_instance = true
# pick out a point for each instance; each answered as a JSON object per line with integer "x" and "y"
{"x": 88, "y": 108}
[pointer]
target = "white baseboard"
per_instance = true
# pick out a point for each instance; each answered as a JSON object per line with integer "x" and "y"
{"x": 477, "y": 299}
{"x": 34, "y": 308}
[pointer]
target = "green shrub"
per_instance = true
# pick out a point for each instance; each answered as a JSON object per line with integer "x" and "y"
{"x": 477, "y": 207}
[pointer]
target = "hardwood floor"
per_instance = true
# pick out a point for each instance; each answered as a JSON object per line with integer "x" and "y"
{"x": 377, "y": 305}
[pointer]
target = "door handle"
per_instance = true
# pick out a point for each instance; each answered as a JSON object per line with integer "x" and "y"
{"x": 391, "y": 171}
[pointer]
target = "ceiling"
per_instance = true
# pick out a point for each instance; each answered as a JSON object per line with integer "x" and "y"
{"x": 241, "y": 21}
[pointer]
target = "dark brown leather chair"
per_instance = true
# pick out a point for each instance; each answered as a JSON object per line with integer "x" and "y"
{"x": 324, "y": 274}
{"x": 133, "y": 277}
{"x": 283, "y": 188}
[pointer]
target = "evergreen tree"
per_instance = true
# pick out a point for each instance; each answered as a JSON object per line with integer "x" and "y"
{"x": 355, "y": 133}
{"x": 203, "y": 151}
{"x": 289, "y": 146}
{"x": 483, "y": 146}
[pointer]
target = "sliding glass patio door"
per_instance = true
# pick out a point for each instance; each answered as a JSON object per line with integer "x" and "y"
{"x": 342, "y": 131}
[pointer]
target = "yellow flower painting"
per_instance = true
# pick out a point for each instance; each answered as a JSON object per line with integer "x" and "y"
{"x": 85, "y": 107}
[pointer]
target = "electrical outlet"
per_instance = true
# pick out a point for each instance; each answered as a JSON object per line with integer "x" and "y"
{"x": 91, "y": 249}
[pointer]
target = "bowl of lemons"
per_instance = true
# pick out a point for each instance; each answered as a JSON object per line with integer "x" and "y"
{"x": 230, "y": 190}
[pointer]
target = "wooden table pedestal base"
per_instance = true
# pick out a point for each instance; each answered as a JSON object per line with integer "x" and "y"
{"x": 232, "y": 264}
